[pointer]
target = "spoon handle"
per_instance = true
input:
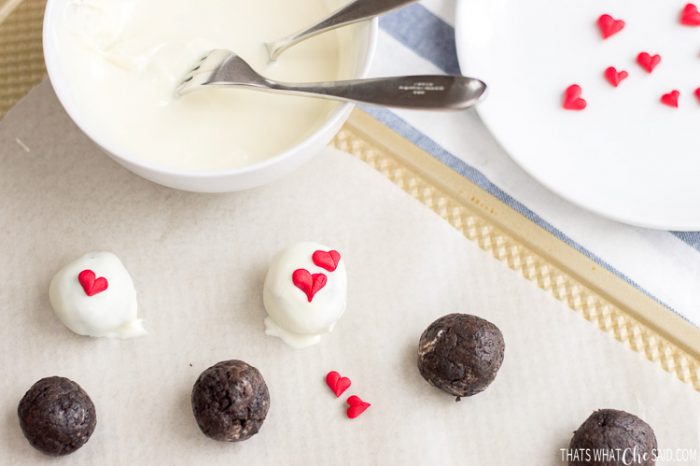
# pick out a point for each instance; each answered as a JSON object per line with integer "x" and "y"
{"x": 357, "y": 11}
{"x": 416, "y": 92}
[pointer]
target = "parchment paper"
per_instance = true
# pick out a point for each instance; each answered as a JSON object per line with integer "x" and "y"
{"x": 199, "y": 262}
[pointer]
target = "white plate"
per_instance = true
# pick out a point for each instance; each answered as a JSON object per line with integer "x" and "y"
{"x": 626, "y": 157}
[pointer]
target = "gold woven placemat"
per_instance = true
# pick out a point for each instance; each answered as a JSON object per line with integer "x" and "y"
{"x": 21, "y": 57}
{"x": 602, "y": 298}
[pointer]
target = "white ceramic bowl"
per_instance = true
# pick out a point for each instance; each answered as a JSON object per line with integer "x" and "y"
{"x": 238, "y": 179}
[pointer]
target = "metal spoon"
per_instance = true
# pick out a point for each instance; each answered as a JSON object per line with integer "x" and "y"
{"x": 224, "y": 68}
{"x": 357, "y": 11}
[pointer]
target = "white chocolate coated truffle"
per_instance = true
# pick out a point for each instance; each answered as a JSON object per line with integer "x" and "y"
{"x": 95, "y": 296}
{"x": 305, "y": 293}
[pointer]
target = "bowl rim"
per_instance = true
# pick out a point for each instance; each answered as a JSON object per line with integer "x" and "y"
{"x": 340, "y": 113}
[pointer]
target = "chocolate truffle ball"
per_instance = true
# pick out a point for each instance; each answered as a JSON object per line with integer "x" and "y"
{"x": 230, "y": 401}
{"x": 57, "y": 416}
{"x": 460, "y": 354}
{"x": 609, "y": 430}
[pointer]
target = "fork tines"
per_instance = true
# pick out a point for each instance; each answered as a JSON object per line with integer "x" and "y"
{"x": 202, "y": 71}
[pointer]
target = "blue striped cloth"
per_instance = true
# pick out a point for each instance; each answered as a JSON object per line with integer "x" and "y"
{"x": 421, "y": 39}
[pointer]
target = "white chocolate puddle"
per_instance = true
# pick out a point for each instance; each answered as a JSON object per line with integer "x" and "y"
{"x": 124, "y": 58}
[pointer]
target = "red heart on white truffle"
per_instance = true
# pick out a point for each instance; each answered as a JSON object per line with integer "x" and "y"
{"x": 91, "y": 284}
{"x": 328, "y": 260}
{"x": 309, "y": 284}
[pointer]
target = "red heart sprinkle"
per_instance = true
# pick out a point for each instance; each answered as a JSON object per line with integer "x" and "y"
{"x": 671, "y": 99}
{"x": 648, "y": 62}
{"x": 356, "y": 406}
{"x": 697, "y": 93}
{"x": 309, "y": 284}
{"x": 690, "y": 15}
{"x": 337, "y": 383}
{"x": 572, "y": 98}
{"x": 609, "y": 26}
{"x": 615, "y": 77}
{"x": 92, "y": 285}
{"x": 326, "y": 259}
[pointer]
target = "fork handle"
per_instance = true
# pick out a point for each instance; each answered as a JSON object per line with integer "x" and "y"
{"x": 415, "y": 92}
{"x": 354, "y": 12}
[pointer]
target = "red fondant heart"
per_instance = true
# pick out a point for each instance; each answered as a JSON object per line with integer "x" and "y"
{"x": 337, "y": 383}
{"x": 609, "y": 26}
{"x": 648, "y": 62}
{"x": 615, "y": 77}
{"x": 690, "y": 15}
{"x": 91, "y": 284}
{"x": 309, "y": 284}
{"x": 697, "y": 93}
{"x": 671, "y": 99}
{"x": 327, "y": 259}
{"x": 572, "y": 98}
{"x": 356, "y": 406}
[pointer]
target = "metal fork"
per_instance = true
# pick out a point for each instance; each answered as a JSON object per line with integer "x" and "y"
{"x": 357, "y": 11}
{"x": 223, "y": 68}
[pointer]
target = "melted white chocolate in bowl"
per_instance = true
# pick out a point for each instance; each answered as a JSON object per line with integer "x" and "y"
{"x": 122, "y": 60}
